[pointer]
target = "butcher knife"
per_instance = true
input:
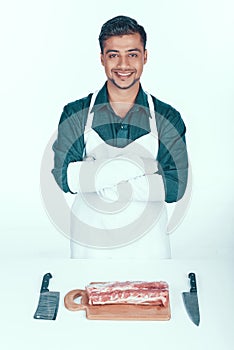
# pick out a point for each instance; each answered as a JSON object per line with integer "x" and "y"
{"x": 191, "y": 301}
{"x": 48, "y": 302}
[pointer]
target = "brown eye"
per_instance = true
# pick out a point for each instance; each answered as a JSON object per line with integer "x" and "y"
{"x": 113, "y": 55}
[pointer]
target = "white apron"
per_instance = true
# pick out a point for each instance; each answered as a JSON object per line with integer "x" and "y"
{"x": 99, "y": 229}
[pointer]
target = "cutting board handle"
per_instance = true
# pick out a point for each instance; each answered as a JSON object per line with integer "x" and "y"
{"x": 71, "y": 296}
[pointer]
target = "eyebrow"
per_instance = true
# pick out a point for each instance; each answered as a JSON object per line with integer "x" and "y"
{"x": 130, "y": 50}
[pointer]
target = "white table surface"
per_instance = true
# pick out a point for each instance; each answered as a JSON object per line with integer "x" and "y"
{"x": 21, "y": 282}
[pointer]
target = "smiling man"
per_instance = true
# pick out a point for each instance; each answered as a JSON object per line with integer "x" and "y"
{"x": 123, "y": 58}
{"x": 122, "y": 153}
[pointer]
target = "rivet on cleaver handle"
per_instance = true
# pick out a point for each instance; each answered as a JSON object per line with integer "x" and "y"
{"x": 191, "y": 301}
{"x": 48, "y": 304}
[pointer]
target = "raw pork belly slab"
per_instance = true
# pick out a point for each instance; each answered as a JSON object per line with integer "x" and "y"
{"x": 136, "y": 292}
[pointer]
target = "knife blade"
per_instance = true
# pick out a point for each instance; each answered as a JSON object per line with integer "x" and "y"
{"x": 48, "y": 304}
{"x": 190, "y": 300}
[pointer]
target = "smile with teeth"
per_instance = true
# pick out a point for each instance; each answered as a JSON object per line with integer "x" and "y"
{"x": 124, "y": 74}
{"x": 121, "y": 74}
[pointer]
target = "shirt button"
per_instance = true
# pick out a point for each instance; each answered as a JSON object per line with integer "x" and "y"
{"x": 124, "y": 127}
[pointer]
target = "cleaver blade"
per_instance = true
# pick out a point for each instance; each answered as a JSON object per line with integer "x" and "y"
{"x": 48, "y": 304}
{"x": 191, "y": 300}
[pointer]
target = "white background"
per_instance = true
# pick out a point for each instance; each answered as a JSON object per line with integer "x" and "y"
{"x": 72, "y": 330}
{"x": 50, "y": 56}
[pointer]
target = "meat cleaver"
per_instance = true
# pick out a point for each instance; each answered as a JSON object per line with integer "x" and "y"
{"x": 48, "y": 302}
{"x": 191, "y": 301}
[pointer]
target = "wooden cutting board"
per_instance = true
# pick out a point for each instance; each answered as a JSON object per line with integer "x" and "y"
{"x": 115, "y": 312}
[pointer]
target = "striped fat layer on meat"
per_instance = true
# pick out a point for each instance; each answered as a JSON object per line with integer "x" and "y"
{"x": 145, "y": 293}
{"x": 110, "y": 286}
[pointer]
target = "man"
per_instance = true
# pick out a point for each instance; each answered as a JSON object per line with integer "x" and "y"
{"x": 122, "y": 152}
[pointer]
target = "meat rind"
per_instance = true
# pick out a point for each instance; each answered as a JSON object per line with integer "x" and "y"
{"x": 129, "y": 292}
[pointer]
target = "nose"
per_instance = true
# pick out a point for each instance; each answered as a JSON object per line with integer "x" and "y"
{"x": 123, "y": 62}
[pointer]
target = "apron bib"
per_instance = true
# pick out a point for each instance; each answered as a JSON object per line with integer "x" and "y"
{"x": 103, "y": 229}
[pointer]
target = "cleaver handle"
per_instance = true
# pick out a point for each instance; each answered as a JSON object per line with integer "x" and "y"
{"x": 193, "y": 283}
{"x": 45, "y": 282}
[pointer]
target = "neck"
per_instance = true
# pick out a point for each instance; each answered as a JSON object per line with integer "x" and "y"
{"x": 122, "y": 95}
{"x": 122, "y": 100}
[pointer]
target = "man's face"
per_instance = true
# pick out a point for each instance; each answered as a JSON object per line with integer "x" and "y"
{"x": 123, "y": 59}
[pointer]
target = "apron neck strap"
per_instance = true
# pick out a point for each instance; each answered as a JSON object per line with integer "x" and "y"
{"x": 89, "y": 120}
{"x": 153, "y": 126}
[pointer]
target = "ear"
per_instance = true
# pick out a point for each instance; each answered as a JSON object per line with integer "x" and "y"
{"x": 145, "y": 56}
{"x": 102, "y": 59}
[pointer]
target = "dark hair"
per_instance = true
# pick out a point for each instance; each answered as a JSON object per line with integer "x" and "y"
{"x": 121, "y": 25}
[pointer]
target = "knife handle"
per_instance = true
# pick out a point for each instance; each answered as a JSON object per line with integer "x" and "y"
{"x": 45, "y": 282}
{"x": 193, "y": 283}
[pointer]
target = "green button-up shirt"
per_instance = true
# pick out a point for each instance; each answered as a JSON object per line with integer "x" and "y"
{"x": 172, "y": 153}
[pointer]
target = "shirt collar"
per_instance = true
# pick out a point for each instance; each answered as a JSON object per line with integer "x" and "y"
{"x": 102, "y": 101}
